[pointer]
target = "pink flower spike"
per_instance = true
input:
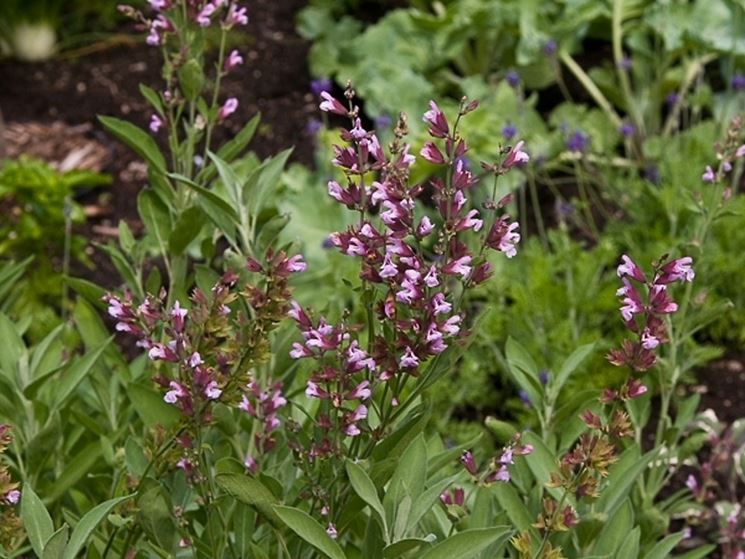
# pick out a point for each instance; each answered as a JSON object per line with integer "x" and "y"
{"x": 331, "y": 105}
{"x": 516, "y": 156}
{"x": 230, "y": 106}
{"x": 708, "y": 175}
{"x": 234, "y": 60}
{"x": 156, "y": 123}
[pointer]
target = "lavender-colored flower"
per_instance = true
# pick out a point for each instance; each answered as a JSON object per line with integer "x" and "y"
{"x": 331, "y": 105}
{"x": 625, "y": 63}
{"x": 652, "y": 174}
{"x": 578, "y": 141}
{"x": 512, "y": 78}
{"x": 237, "y": 16}
{"x": 382, "y": 121}
{"x": 524, "y": 397}
{"x": 672, "y": 99}
{"x": 709, "y": 175}
{"x": 516, "y": 156}
{"x": 12, "y": 496}
{"x": 313, "y": 126}
{"x": 738, "y": 82}
{"x": 319, "y": 85}
{"x": 438, "y": 124}
{"x": 234, "y": 60}
{"x": 543, "y": 377}
{"x": 550, "y": 47}
{"x": 509, "y": 131}
{"x": 228, "y": 108}
{"x": 203, "y": 17}
{"x": 331, "y": 531}
{"x": 627, "y": 129}
{"x": 156, "y": 123}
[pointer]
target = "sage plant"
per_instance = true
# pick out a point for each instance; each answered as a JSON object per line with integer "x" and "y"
{"x": 11, "y": 532}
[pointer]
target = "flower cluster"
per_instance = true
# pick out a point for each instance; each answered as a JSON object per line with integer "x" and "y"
{"x": 10, "y": 495}
{"x": 643, "y": 315}
{"x": 731, "y": 150}
{"x": 204, "y": 13}
{"x": 210, "y": 351}
{"x": 498, "y": 467}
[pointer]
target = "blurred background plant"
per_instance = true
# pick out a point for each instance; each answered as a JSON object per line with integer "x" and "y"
{"x": 40, "y": 213}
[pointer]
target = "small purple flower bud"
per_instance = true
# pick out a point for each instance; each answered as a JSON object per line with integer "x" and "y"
{"x": 738, "y": 82}
{"x": 203, "y": 17}
{"x": 709, "y": 176}
{"x": 438, "y": 124}
{"x": 12, "y": 496}
{"x": 513, "y": 79}
{"x": 672, "y": 99}
{"x": 692, "y": 483}
{"x": 382, "y": 121}
{"x": 509, "y": 131}
{"x": 524, "y": 397}
{"x": 550, "y": 47}
{"x": 543, "y": 377}
{"x": 627, "y": 129}
{"x": 625, "y": 63}
{"x": 319, "y": 85}
{"x": 156, "y": 123}
{"x": 313, "y": 126}
{"x": 652, "y": 174}
{"x": 432, "y": 153}
{"x": 578, "y": 141}
{"x": 468, "y": 462}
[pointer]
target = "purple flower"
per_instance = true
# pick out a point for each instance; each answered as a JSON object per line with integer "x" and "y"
{"x": 509, "y": 131}
{"x": 12, "y": 496}
{"x": 203, "y": 17}
{"x": 543, "y": 377}
{"x": 516, "y": 156}
{"x": 672, "y": 99}
{"x": 625, "y": 63}
{"x": 550, "y": 47}
{"x": 629, "y": 268}
{"x": 319, "y": 85}
{"x": 432, "y": 153}
{"x": 524, "y": 397}
{"x": 156, "y": 123}
{"x": 652, "y": 174}
{"x": 438, "y": 124}
{"x": 627, "y": 129}
{"x": 382, "y": 121}
{"x": 313, "y": 126}
{"x": 331, "y": 531}
{"x": 469, "y": 463}
{"x": 513, "y": 79}
{"x": 230, "y": 106}
{"x": 237, "y": 16}
{"x": 578, "y": 141}
{"x": 709, "y": 175}
{"x": 331, "y": 105}
{"x": 409, "y": 360}
{"x": 234, "y": 59}
{"x": 679, "y": 269}
{"x": 738, "y": 82}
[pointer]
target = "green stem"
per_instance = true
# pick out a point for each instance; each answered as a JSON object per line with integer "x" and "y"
{"x": 590, "y": 86}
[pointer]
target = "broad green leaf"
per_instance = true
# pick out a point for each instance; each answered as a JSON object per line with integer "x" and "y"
{"x": 73, "y": 376}
{"x": 138, "y": 140}
{"x": 524, "y": 370}
{"x": 44, "y": 353}
{"x": 251, "y": 491}
{"x": 231, "y": 149}
{"x": 152, "y": 97}
{"x": 262, "y": 179}
{"x": 365, "y": 488}
{"x": 186, "y": 229}
{"x": 513, "y": 505}
{"x": 309, "y": 530}
{"x": 399, "y": 548}
{"x": 151, "y": 408}
{"x": 662, "y": 548}
{"x": 88, "y": 524}
{"x": 408, "y": 479}
{"x": 55, "y": 546}
{"x": 621, "y": 476}
{"x": 630, "y": 547}
{"x": 155, "y": 216}
{"x": 156, "y": 513}
{"x": 698, "y": 553}
{"x": 13, "y": 348}
{"x": 467, "y": 543}
{"x": 541, "y": 460}
{"x": 191, "y": 79}
{"x": 569, "y": 366}
{"x": 222, "y": 214}
{"x": 615, "y": 531}
{"x": 36, "y": 520}
{"x": 75, "y": 470}
{"x": 233, "y": 184}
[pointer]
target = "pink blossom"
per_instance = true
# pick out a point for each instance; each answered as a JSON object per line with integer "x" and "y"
{"x": 203, "y": 17}
{"x": 430, "y": 280}
{"x": 629, "y": 268}
{"x": 466, "y": 458}
{"x": 361, "y": 392}
{"x": 12, "y": 496}
{"x": 388, "y": 269}
{"x": 237, "y": 16}
{"x": 175, "y": 394}
{"x": 230, "y": 106}
{"x": 432, "y": 153}
{"x": 212, "y": 391}
{"x": 178, "y": 316}
{"x": 649, "y": 341}
{"x": 679, "y": 269}
{"x": 409, "y": 359}
{"x": 440, "y": 305}
{"x": 234, "y": 60}
{"x": 516, "y": 156}
{"x": 331, "y": 531}
{"x": 425, "y": 227}
{"x": 438, "y": 124}
{"x": 459, "y": 266}
{"x": 195, "y": 360}
{"x": 331, "y": 105}
{"x": 708, "y": 175}
{"x": 740, "y": 151}
{"x": 156, "y": 123}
